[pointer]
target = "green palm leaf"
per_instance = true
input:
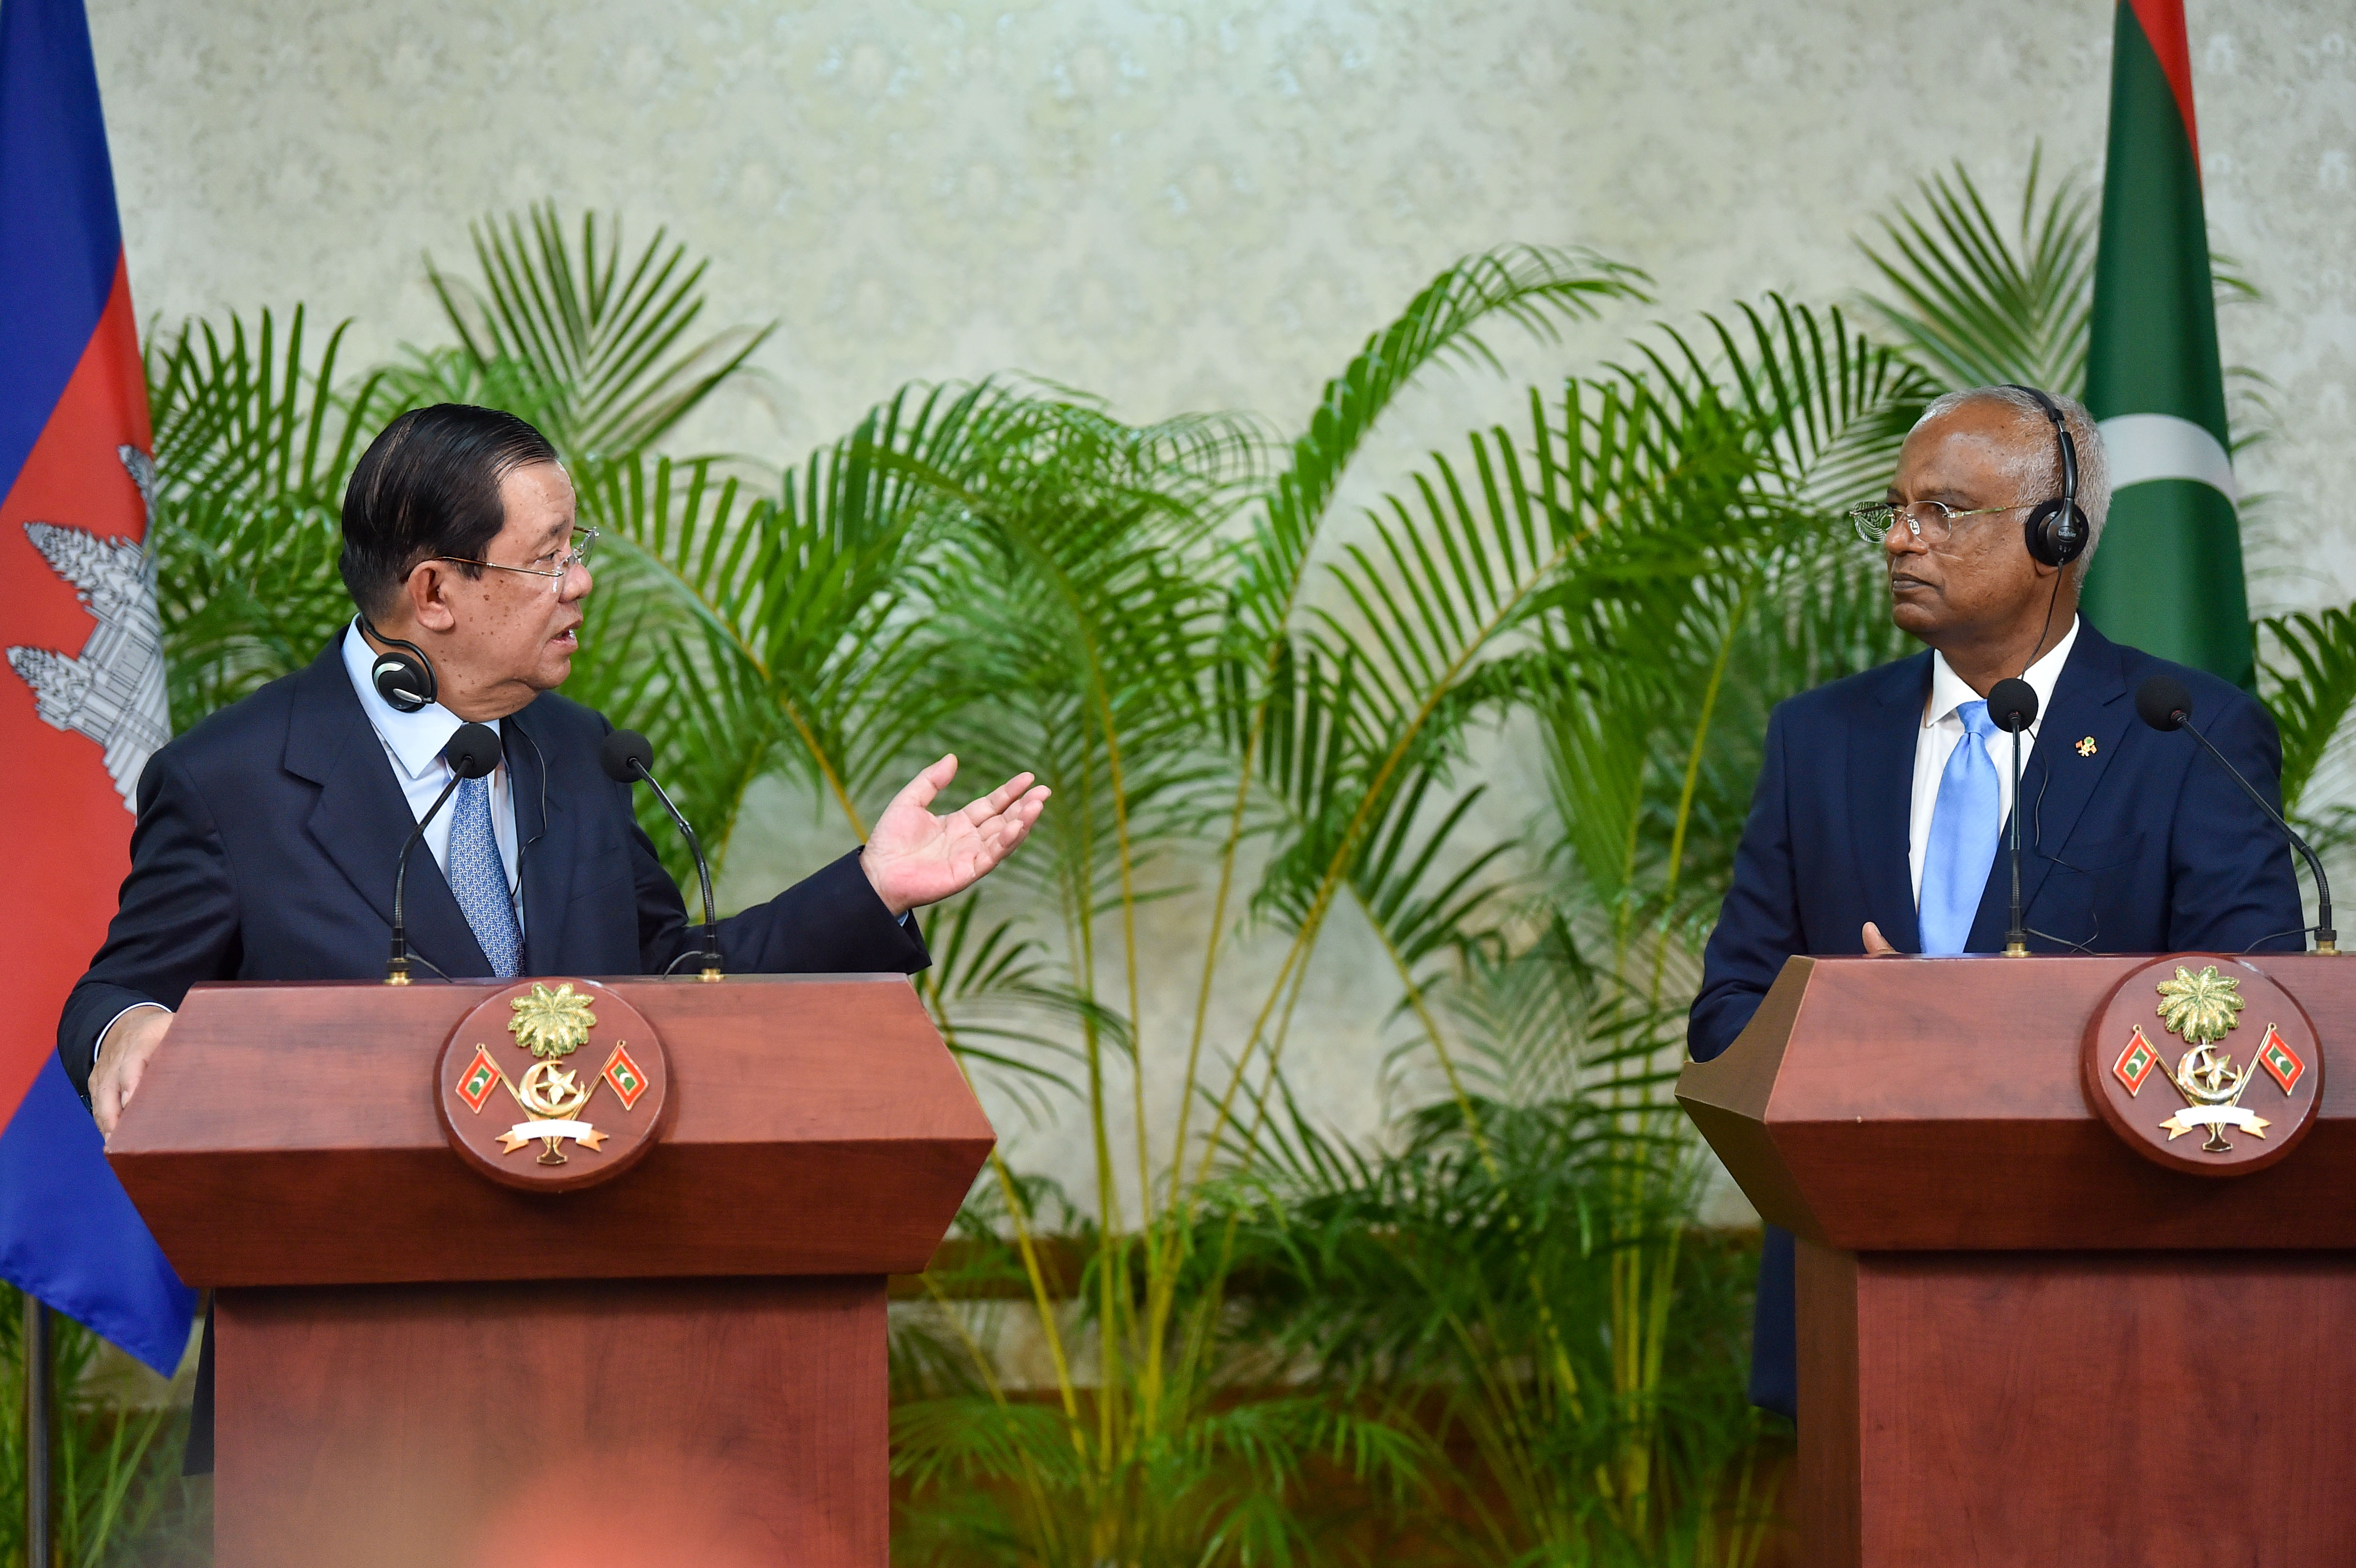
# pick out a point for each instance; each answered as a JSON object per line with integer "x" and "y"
{"x": 612, "y": 368}
{"x": 2310, "y": 686}
{"x": 253, "y": 441}
{"x": 1534, "y": 288}
{"x": 1977, "y": 302}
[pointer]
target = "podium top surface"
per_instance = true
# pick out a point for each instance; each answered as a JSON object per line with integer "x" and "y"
{"x": 1934, "y": 1105}
{"x": 287, "y": 1134}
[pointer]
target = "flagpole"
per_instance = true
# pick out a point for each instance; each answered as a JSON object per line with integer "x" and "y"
{"x": 39, "y": 1401}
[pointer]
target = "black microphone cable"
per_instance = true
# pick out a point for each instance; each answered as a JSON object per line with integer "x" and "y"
{"x": 472, "y": 753}
{"x": 2012, "y": 704}
{"x": 2163, "y": 703}
{"x": 629, "y": 757}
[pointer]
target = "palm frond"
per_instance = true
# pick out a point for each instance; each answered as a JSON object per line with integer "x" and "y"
{"x": 254, "y": 439}
{"x": 1536, "y": 289}
{"x": 605, "y": 335}
{"x": 2310, "y": 686}
{"x": 1978, "y": 303}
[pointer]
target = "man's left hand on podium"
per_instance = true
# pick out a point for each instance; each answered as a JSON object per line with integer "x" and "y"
{"x": 914, "y": 859}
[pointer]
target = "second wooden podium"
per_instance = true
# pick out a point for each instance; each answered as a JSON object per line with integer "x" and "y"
{"x": 2025, "y": 1338}
{"x": 684, "y": 1363}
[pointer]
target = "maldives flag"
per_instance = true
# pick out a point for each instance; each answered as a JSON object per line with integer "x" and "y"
{"x": 82, "y": 705}
{"x": 2168, "y": 576}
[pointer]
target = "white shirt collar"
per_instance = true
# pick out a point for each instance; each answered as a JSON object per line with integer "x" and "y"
{"x": 416, "y": 740}
{"x": 1949, "y": 691}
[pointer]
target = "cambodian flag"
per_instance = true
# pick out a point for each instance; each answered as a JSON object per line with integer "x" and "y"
{"x": 85, "y": 706}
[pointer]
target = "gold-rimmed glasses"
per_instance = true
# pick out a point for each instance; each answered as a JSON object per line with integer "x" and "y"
{"x": 555, "y": 565}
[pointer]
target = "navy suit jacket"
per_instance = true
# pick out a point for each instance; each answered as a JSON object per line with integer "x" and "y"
{"x": 265, "y": 848}
{"x": 2134, "y": 844}
{"x": 267, "y": 840}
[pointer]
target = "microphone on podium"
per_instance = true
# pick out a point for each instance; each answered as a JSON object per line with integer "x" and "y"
{"x": 472, "y": 753}
{"x": 2163, "y": 703}
{"x": 2012, "y": 707}
{"x": 627, "y": 757}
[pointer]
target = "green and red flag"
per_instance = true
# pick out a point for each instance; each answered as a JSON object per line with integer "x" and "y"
{"x": 623, "y": 1074}
{"x": 2135, "y": 1062}
{"x": 2279, "y": 1059}
{"x": 482, "y": 1077}
{"x": 2168, "y": 576}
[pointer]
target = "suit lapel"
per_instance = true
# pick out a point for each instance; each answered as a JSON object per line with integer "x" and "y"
{"x": 2057, "y": 780}
{"x": 544, "y": 844}
{"x": 361, "y": 818}
{"x": 1881, "y": 795}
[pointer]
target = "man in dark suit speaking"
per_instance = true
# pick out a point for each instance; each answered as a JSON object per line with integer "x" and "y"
{"x": 268, "y": 836}
{"x": 1884, "y": 797}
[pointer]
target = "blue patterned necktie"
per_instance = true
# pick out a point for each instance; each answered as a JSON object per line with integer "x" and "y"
{"x": 479, "y": 879}
{"x": 1964, "y": 827}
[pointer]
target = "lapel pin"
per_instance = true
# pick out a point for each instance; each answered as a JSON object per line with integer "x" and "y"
{"x": 2086, "y": 747}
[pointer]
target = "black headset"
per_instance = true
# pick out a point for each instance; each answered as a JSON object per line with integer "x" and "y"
{"x": 2056, "y": 531}
{"x": 405, "y": 677}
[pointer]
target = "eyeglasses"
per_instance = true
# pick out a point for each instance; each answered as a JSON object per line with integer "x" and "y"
{"x": 554, "y": 565}
{"x": 1932, "y": 522}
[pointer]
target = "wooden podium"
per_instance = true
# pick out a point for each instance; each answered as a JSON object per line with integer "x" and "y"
{"x": 414, "y": 1364}
{"x": 2021, "y": 1341}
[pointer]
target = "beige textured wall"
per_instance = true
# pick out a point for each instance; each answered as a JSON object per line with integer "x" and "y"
{"x": 1181, "y": 206}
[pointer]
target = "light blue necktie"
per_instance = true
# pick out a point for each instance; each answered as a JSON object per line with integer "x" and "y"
{"x": 479, "y": 879}
{"x": 1965, "y": 825}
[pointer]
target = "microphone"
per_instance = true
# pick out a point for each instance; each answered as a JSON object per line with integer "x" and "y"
{"x": 2163, "y": 703}
{"x": 627, "y": 757}
{"x": 2012, "y": 704}
{"x": 472, "y": 753}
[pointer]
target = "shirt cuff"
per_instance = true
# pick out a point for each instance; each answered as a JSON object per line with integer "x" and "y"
{"x": 100, "y": 1043}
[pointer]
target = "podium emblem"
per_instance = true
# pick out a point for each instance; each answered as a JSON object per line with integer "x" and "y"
{"x": 2201, "y": 1002}
{"x": 521, "y": 1053}
{"x": 2202, "y": 1010}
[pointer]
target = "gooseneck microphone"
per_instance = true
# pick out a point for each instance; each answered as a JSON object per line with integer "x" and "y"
{"x": 2163, "y": 703}
{"x": 472, "y": 753}
{"x": 2012, "y": 706}
{"x": 629, "y": 757}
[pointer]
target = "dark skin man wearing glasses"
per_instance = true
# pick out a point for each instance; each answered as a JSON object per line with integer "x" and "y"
{"x": 1883, "y": 797}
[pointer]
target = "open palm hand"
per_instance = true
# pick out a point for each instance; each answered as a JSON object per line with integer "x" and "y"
{"x": 914, "y": 859}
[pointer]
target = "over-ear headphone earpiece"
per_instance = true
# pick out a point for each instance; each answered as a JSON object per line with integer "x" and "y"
{"x": 404, "y": 676}
{"x": 2056, "y": 531}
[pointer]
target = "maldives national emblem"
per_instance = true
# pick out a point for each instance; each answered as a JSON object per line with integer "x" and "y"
{"x": 2202, "y": 1003}
{"x": 2201, "y": 1009}
{"x": 551, "y": 1023}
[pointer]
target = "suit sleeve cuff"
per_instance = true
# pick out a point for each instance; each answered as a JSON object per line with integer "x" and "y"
{"x": 98, "y": 1044}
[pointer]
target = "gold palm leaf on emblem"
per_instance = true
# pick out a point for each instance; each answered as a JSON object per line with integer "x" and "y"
{"x": 556, "y": 1023}
{"x": 2199, "y": 1008}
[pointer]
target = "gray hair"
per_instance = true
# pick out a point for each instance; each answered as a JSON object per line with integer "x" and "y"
{"x": 2035, "y": 464}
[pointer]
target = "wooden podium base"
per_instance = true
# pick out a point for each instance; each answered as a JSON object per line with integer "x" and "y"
{"x": 2131, "y": 1408}
{"x": 717, "y": 1422}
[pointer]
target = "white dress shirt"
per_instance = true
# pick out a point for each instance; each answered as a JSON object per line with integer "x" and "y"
{"x": 1943, "y": 730}
{"x": 413, "y": 743}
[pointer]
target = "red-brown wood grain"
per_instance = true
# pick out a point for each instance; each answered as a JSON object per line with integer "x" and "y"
{"x": 1832, "y": 1428}
{"x": 2176, "y": 1409}
{"x": 287, "y": 1133}
{"x": 2019, "y": 1340}
{"x": 629, "y": 1423}
{"x": 1934, "y": 1103}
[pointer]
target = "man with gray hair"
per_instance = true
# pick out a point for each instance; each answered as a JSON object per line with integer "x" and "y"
{"x": 1883, "y": 797}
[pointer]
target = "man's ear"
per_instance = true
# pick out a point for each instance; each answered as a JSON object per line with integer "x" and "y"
{"x": 428, "y": 606}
